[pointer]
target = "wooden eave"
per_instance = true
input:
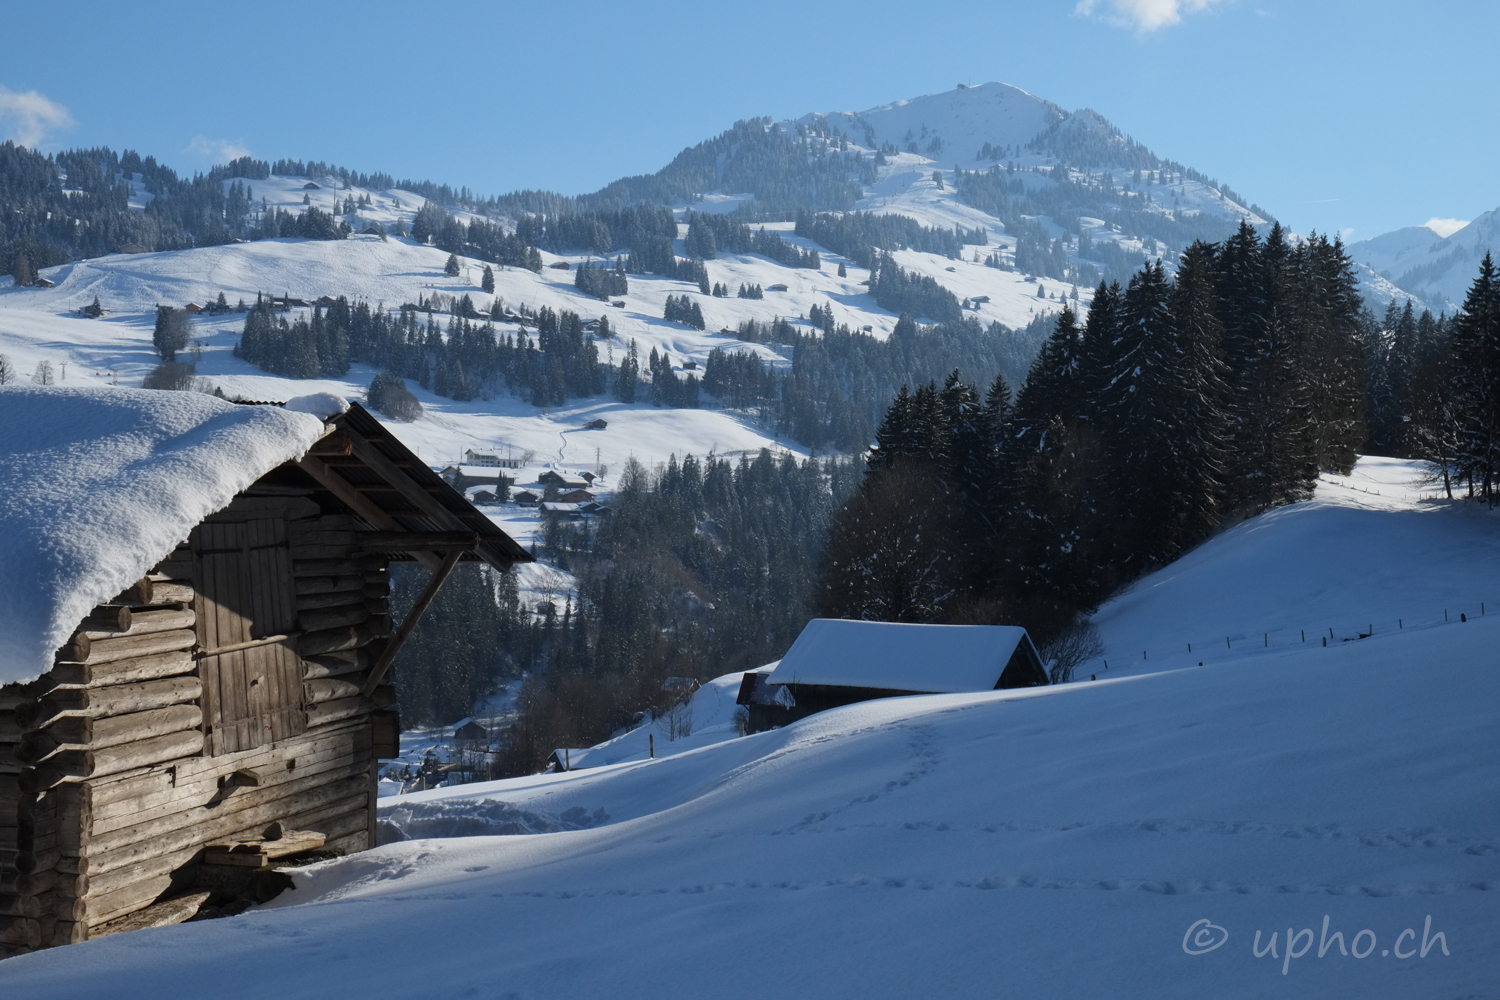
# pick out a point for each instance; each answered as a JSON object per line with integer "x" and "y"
{"x": 412, "y": 512}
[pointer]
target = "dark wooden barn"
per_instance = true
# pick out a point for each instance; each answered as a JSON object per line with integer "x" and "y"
{"x": 230, "y": 707}
{"x": 836, "y": 662}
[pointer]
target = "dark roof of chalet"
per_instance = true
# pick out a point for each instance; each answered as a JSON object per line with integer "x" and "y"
{"x": 380, "y": 480}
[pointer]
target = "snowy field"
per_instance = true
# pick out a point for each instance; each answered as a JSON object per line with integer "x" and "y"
{"x": 1142, "y": 836}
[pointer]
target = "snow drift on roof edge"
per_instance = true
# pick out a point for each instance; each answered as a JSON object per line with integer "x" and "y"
{"x": 99, "y": 485}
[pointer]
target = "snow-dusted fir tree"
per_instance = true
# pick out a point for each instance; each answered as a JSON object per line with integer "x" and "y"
{"x": 1476, "y": 348}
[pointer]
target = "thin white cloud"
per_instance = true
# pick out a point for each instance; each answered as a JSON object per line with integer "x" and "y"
{"x": 1142, "y": 15}
{"x": 217, "y": 150}
{"x": 1445, "y": 227}
{"x": 28, "y": 117}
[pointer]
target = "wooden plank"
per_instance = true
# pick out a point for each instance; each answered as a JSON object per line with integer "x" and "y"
{"x": 351, "y": 582}
{"x": 139, "y": 593}
{"x": 333, "y": 567}
{"x": 140, "y": 668}
{"x": 137, "y": 807}
{"x": 335, "y": 617}
{"x": 202, "y": 826}
{"x": 329, "y": 689}
{"x": 94, "y": 652}
{"x": 337, "y": 711}
{"x": 260, "y": 853}
{"x": 146, "y": 623}
{"x": 181, "y": 778}
{"x": 254, "y": 508}
{"x": 120, "y": 729}
{"x": 67, "y": 932}
{"x": 334, "y": 640}
{"x": 168, "y": 592}
{"x": 106, "y": 620}
{"x": 162, "y": 914}
{"x": 340, "y": 664}
{"x": 92, "y": 763}
{"x": 337, "y": 599}
{"x": 17, "y": 905}
{"x": 117, "y": 699}
{"x": 22, "y": 931}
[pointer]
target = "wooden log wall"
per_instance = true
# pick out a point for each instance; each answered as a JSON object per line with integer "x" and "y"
{"x": 107, "y": 795}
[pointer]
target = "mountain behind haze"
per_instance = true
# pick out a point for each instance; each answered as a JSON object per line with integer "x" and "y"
{"x": 1433, "y": 269}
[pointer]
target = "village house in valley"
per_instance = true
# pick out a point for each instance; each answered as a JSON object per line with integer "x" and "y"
{"x": 196, "y": 644}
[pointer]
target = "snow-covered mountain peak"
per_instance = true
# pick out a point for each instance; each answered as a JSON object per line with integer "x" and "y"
{"x": 951, "y": 125}
{"x": 1421, "y": 263}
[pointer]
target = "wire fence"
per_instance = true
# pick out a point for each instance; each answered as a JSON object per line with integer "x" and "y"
{"x": 1334, "y": 631}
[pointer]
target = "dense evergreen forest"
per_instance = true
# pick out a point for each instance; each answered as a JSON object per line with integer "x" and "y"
{"x": 1177, "y": 407}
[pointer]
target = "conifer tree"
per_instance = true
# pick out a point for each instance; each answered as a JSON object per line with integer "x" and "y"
{"x": 487, "y": 282}
{"x": 22, "y": 271}
{"x": 452, "y": 267}
{"x": 1476, "y": 349}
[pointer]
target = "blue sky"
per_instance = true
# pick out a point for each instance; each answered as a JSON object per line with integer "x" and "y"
{"x": 1335, "y": 115}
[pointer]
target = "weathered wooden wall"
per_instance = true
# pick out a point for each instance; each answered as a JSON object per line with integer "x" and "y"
{"x": 108, "y": 791}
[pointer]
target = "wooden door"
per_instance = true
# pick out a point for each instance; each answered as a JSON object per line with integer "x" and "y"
{"x": 251, "y": 695}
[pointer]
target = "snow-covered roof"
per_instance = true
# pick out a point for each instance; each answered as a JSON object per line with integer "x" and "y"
{"x": 937, "y": 659}
{"x": 98, "y": 485}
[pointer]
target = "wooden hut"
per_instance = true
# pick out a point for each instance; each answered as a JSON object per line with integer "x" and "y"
{"x": 214, "y": 581}
{"x": 836, "y": 662}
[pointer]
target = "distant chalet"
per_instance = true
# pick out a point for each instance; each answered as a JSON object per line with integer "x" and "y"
{"x": 836, "y": 662}
{"x": 214, "y": 580}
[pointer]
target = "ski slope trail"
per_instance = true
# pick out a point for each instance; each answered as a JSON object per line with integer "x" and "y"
{"x": 1063, "y": 841}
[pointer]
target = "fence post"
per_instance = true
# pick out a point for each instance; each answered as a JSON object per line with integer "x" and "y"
{"x": 651, "y": 738}
{"x": 1226, "y": 643}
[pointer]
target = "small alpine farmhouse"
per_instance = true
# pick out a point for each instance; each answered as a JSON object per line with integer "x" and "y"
{"x": 196, "y": 644}
{"x": 838, "y": 662}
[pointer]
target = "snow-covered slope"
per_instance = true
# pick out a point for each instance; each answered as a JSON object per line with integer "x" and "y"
{"x": 1434, "y": 269}
{"x": 1093, "y": 839}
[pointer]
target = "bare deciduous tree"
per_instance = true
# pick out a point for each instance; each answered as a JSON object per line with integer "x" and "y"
{"x": 1078, "y": 643}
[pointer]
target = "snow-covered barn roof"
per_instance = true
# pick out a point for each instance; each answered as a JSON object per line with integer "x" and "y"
{"x": 98, "y": 485}
{"x": 934, "y": 659}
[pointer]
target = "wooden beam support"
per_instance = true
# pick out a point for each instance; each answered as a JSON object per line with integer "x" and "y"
{"x": 403, "y": 483}
{"x": 388, "y": 655}
{"x": 356, "y": 501}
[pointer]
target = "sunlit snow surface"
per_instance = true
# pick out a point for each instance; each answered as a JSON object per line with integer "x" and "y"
{"x": 1042, "y": 843}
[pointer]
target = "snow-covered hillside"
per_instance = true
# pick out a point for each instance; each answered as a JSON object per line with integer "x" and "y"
{"x": 1135, "y": 837}
{"x": 1436, "y": 270}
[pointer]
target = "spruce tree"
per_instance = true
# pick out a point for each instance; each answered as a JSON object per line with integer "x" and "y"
{"x": 22, "y": 271}
{"x": 1476, "y": 348}
{"x": 452, "y": 267}
{"x": 487, "y": 282}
